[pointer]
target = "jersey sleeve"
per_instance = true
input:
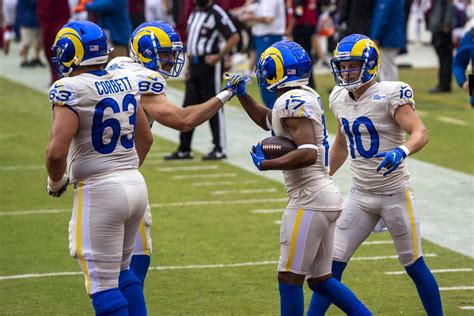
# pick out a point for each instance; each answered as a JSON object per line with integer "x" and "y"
{"x": 62, "y": 93}
{"x": 401, "y": 94}
{"x": 300, "y": 103}
{"x": 150, "y": 82}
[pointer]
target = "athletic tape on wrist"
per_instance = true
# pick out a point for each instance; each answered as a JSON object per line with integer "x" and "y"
{"x": 405, "y": 149}
{"x": 56, "y": 185}
{"x": 224, "y": 96}
{"x": 309, "y": 146}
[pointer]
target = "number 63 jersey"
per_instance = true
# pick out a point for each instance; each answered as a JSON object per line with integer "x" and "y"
{"x": 370, "y": 128}
{"x": 106, "y": 104}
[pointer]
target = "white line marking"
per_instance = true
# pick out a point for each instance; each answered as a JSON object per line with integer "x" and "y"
{"x": 388, "y": 257}
{"x": 275, "y": 210}
{"x": 277, "y": 222}
{"x": 206, "y": 266}
{"x": 457, "y": 288}
{"x": 466, "y": 307}
{"x": 451, "y": 120}
{"x": 153, "y": 205}
{"x": 377, "y": 242}
{"x": 421, "y": 113}
{"x": 191, "y": 203}
{"x": 203, "y": 176}
{"x": 213, "y": 183}
{"x": 432, "y": 271}
{"x": 250, "y": 191}
{"x": 34, "y": 212}
{"x": 188, "y": 168}
{"x": 22, "y": 168}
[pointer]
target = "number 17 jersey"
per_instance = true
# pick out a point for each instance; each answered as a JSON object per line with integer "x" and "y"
{"x": 369, "y": 127}
{"x": 106, "y": 104}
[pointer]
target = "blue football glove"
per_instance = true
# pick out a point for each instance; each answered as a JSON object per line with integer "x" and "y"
{"x": 391, "y": 160}
{"x": 237, "y": 84}
{"x": 257, "y": 156}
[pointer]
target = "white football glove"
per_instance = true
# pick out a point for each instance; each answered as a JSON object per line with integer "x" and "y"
{"x": 57, "y": 188}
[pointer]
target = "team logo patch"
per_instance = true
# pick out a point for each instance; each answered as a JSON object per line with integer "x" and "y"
{"x": 379, "y": 97}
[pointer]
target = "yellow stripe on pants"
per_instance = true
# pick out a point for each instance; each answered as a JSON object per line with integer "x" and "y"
{"x": 413, "y": 225}
{"x": 79, "y": 236}
{"x": 294, "y": 236}
{"x": 146, "y": 251}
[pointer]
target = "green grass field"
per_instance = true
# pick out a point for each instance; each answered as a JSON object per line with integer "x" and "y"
{"x": 189, "y": 240}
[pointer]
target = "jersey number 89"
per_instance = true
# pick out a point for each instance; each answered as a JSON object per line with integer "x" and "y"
{"x": 99, "y": 126}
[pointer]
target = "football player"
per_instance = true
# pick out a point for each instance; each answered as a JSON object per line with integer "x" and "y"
{"x": 157, "y": 53}
{"x": 98, "y": 119}
{"x": 308, "y": 223}
{"x": 373, "y": 118}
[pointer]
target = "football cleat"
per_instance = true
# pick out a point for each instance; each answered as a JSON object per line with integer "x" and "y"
{"x": 282, "y": 65}
{"x": 79, "y": 43}
{"x": 356, "y": 47}
{"x": 158, "y": 47}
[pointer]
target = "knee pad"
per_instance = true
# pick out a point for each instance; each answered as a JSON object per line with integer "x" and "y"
{"x": 109, "y": 302}
{"x": 127, "y": 278}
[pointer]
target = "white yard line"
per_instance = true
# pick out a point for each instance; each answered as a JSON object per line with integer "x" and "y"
{"x": 184, "y": 267}
{"x": 421, "y": 113}
{"x": 188, "y": 168}
{"x": 275, "y": 210}
{"x": 250, "y": 191}
{"x": 457, "y": 288}
{"x": 216, "y": 183}
{"x": 450, "y": 120}
{"x": 204, "y": 176}
{"x": 33, "y": 212}
{"x": 432, "y": 271}
{"x": 466, "y": 307}
{"x": 22, "y": 168}
{"x": 277, "y": 222}
{"x": 388, "y": 257}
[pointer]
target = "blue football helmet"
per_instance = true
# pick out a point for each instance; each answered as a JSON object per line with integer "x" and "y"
{"x": 282, "y": 65}
{"x": 152, "y": 38}
{"x": 79, "y": 43}
{"x": 356, "y": 47}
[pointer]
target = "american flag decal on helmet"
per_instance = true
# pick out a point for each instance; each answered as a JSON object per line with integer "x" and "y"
{"x": 291, "y": 71}
{"x": 94, "y": 48}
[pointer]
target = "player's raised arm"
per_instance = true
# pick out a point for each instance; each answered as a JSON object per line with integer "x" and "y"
{"x": 261, "y": 115}
{"x": 338, "y": 152}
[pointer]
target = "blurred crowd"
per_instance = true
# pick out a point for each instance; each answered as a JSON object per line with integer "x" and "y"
{"x": 33, "y": 24}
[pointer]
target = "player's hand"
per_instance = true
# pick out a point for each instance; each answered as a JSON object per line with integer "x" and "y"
{"x": 391, "y": 160}
{"x": 57, "y": 188}
{"x": 257, "y": 156}
{"x": 237, "y": 84}
{"x": 212, "y": 59}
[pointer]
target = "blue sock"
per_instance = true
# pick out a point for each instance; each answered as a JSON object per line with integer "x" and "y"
{"x": 341, "y": 296}
{"x": 109, "y": 302}
{"x": 131, "y": 289}
{"x": 427, "y": 287}
{"x": 139, "y": 266}
{"x": 320, "y": 304}
{"x": 291, "y": 300}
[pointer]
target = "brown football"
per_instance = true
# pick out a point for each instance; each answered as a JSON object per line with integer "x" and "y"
{"x": 277, "y": 146}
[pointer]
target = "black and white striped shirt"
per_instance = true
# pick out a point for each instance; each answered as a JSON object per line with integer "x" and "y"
{"x": 207, "y": 29}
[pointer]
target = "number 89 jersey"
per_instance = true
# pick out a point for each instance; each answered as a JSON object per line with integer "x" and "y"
{"x": 106, "y": 104}
{"x": 370, "y": 128}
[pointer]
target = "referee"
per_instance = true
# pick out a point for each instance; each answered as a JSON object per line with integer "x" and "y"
{"x": 211, "y": 36}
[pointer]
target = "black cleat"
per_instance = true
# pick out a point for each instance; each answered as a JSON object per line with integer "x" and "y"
{"x": 215, "y": 155}
{"x": 177, "y": 155}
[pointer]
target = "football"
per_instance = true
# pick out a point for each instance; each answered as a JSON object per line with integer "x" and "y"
{"x": 277, "y": 146}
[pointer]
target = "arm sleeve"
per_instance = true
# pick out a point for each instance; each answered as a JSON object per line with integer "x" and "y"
{"x": 101, "y": 6}
{"x": 224, "y": 23}
{"x": 300, "y": 104}
{"x": 62, "y": 93}
{"x": 401, "y": 94}
{"x": 150, "y": 82}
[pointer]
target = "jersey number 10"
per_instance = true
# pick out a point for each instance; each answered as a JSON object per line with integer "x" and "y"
{"x": 355, "y": 134}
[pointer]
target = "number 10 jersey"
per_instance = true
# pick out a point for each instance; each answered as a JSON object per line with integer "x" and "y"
{"x": 106, "y": 104}
{"x": 370, "y": 128}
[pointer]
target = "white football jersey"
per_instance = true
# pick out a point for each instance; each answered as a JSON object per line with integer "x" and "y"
{"x": 106, "y": 104}
{"x": 370, "y": 128}
{"x": 303, "y": 184}
{"x": 149, "y": 81}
